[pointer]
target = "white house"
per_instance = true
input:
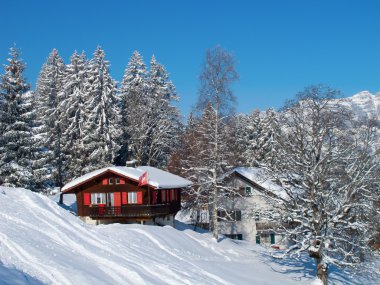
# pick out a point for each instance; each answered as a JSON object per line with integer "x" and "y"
{"x": 250, "y": 214}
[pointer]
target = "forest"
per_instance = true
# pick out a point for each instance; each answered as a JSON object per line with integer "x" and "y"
{"x": 79, "y": 119}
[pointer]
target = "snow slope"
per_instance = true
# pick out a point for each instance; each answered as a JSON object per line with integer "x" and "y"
{"x": 42, "y": 243}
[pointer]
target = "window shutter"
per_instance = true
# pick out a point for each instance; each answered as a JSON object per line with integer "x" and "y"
{"x": 117, "y": 199}
{"x": 86, "y": 199}
{"x": 122, "y": 180}
{"x": 105, "y": 181}
{"x": 124, "y": 199}
{"x": 139, "y": 197}
{"x": 238, "y": 215}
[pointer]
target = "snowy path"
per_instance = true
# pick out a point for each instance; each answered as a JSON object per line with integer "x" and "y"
{"x": 42, "y": 243}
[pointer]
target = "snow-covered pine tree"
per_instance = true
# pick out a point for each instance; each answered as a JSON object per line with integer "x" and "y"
{"x": 164, "y": 118}
{"x": 49, "y": 85}
{"x": 101, "y": 129}
{"x": 329, "y": 172}
{"x": 257, "y": 137}
{"x": 74, "y": 116}
{"x": 134, "y": 111}
{"x": 16, "y": 115}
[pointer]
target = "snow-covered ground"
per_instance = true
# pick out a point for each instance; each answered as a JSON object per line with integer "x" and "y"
{"x": 43, "y": 243}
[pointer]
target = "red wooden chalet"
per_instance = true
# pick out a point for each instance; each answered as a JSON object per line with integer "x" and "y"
{"x": 128, "y": 195}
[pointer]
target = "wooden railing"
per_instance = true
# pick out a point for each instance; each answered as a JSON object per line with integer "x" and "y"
{"x": 139, "y": 211}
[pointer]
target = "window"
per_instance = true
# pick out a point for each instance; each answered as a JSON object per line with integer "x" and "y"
{"x": 235, "y": 236}
{"x": 248, "y": 191}
{"x": 110, "y": 180}
{"x": 117, "y": 180}
{"x": 132, "y": 197}
{"x": 98, "y": 198}
{"x": 110, "y": 199}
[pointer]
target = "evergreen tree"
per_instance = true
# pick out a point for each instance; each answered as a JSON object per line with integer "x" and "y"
{"x": 16, "y": 114}
{"x": 164, "y": 118}
{"x": 134, "y": 111}
{"x": 50, "y": 83}
{"x": 101, "y": 129}
{"x": 74, "y": 116}
{"x": 257, "y": 138}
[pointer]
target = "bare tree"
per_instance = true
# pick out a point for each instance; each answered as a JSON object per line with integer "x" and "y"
{"x": 215, "y": 100}
{"x": 328, "y": 170}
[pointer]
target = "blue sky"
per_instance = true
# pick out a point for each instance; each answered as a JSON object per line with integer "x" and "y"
{"x": 280, "y": 46}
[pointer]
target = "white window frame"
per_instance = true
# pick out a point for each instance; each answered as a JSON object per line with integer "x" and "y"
{"x": 111, "y": 180}
{"x": 132, "y": 197}
{"x": 117, "y": 180}
{"x": 98, "y": 198}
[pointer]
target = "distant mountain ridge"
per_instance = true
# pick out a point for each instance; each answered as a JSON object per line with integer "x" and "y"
{"x": 364, "y": 105}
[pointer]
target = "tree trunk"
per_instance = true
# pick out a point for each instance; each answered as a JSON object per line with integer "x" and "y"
{"x": 321, "y": 270}
{"x": 215, "y": 172}
{"x": 215, "y": 212}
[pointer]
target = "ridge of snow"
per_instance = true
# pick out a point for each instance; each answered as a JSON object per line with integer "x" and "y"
{"x": 48, "y": 244}
{"x": 156, "y": 177}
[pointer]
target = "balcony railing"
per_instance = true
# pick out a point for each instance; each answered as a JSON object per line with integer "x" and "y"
{"x": 133, "y": 211}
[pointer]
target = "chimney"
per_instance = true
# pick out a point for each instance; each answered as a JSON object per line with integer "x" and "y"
{"x": 131, "y": 163}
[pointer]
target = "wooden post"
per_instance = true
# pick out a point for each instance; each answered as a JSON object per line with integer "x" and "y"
{"x": 149, "y": 198}
{"x": 60, "y": 196}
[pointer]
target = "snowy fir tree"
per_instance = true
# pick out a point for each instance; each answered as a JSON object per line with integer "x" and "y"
{"x": 49, "y": 85}
{"x": 257, "y": 138}
{"x": 101, "y": 129}
{"x": 164, "y": 118}
{"x": 16, "y": 115}
{"x": 135, "y": 107}
{"x": 74, "y": 116}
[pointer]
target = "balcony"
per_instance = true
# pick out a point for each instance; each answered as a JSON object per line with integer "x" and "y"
{"x": 133, "y": 211}
{"x": 266, "y": 225}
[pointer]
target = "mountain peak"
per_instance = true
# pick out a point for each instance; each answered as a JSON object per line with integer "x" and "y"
{"x": 365, "y": 104}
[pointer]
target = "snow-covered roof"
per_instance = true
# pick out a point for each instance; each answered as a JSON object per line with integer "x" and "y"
{"x": 156, "y": 177}
{"x": 261, "y": 177}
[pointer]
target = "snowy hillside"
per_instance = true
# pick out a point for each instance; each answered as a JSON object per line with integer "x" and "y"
{"x": 364, "y": 105}
{"x": 42, "y": 243}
